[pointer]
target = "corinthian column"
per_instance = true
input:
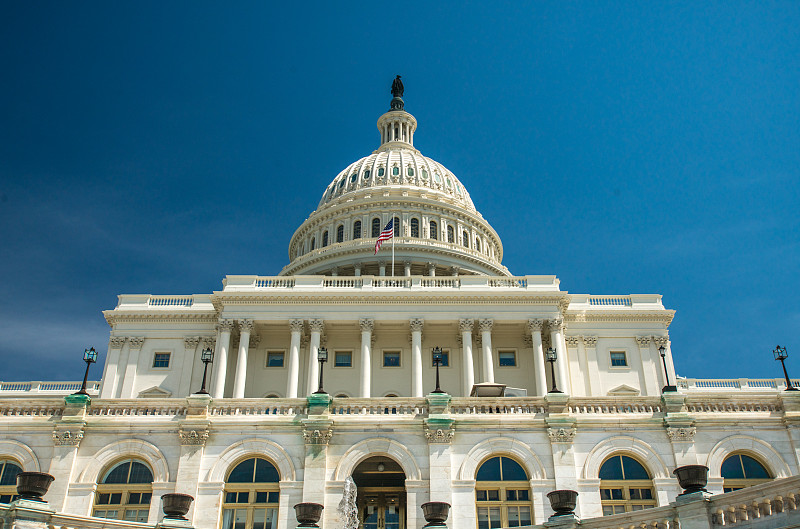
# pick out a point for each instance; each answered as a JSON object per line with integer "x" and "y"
{"x": 317, "y": 326}
{"x": 535, "y": 328}
{"x": 221, "y": 357}
{"x": 245, "y": 328}
{"x": 366, "y": 364}
{"x": 486, "y": 357}
{"x": 416, "y": 357}
{"x": 293, "y": 381}
{"x": 468, "y": 377}
{"x": 557, "y": 342}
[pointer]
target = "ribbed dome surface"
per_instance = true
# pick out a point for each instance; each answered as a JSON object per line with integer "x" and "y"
{"x": 405, "y": 167}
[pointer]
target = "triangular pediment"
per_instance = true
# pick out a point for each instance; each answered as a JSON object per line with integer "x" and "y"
{"x": 154, "y": 393}
{"x": 624, "y": 390}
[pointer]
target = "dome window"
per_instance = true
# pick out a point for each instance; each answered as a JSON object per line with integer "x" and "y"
{"x": 415, "y": 227}
{"x": 357, "y": 230}
{"x": 366, "y": 175}
{"x": 396, "y": 226}
{"x": 451, "y": 234}
{"x": 341, "y": 183}
{"x": 381, "y": 171}
{"x": 410, "y": 171}
{"x": 313, "y": 243}
{"x": 340, "y": 233}
{"x": 464, "y": 239}
{"x": 325, "y": 239}
{"x": 395, "y": 171}
{"x": 376, "y": 227}
{"x": 353, "y": 177}
{"x": 424, "y": 174}
{"x": 448, "y": 183}
{"x": 437, "y": 178}
{"x": 432, "y": 231}
{"x": 477, "y": 245}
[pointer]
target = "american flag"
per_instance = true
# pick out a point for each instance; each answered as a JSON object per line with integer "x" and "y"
{"x": 386, "y": 234}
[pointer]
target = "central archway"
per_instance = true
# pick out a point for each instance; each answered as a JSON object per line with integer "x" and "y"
{"x": 381, "y": 496}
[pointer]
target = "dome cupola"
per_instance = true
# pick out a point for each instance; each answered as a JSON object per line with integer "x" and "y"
{"x": 437, "y": 230}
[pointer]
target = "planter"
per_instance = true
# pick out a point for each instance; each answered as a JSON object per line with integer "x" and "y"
{"x": 175, "y": 506}
{"x": 308, "y": 514}
{"x": 563, "y": 502}
{"x": 692, "y": 478}
{"x": 435, "y": 513}
{"x": 33, "y": 485}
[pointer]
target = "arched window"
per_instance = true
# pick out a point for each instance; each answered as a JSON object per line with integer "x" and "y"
{"x": 451, "y": 234}
{"x": 381, "y": 171}
{"x": 8, "y": 480}
{"x": 433, "y": 230}
{"x": 478, "y": 245}
{"x": 357, "y": 230}
{"x": 340, "y": 233}
{"x": 397, "y": 226}
{"x": 740, "y": 471}
{"x": 325, "y": 239}
{"x": 124, "y": 492}
{"x": 465, "y": 239}
{"x": 376, "y": 227}
{"x": 415, "y": 227}
{"x": 313, "y": 243}
{"x": 625, "y": 485}
{"x": 395, "y": 171}
{"x": 366, "y": 174}
{"x": 410, "y": 171}
{"x": 251, "y": 496}
{"x": 502, "y": 494}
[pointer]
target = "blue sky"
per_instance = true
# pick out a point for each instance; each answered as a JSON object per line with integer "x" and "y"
{"x": 636, "y": 147}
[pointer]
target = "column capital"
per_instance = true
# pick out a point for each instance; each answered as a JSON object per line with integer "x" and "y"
{"x": 486, "y": 324}
{"x": 367, "y": 324}
{"x": 225, "y": 325}
{"x": 296, "y": 325}
{"x": 316, "y": 325}
{"x": 136, "y": 342}
{"x": 209, "y": 341}
{"x": 465, "y": 324}
{"x": 661, "y": 340}
{"x": 191, "y": 342}
{"x": 590, "y": 341}
{"x": 643, "y": 341}
{"x": 68, "y": 436}
{"x": 255, "y": 339}
{"x": 572, "y": 341}
{"x": 556, "y": 324}
{"x": 561, "y": 435}
{"x": 416, "y": 324}
{"x": 193, "y": 437}
{"x": 535, "y": 325}
{"x": 116, "y": 342}
{"x": 245, "y": 325}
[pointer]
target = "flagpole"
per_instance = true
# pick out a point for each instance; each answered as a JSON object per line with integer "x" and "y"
{"x": 393, "y": 228}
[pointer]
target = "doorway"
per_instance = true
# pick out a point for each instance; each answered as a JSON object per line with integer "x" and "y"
{"x": 381, "y": 497}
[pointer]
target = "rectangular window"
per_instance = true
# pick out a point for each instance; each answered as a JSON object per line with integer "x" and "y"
{"x": 507, "y": 358}
{"x": 275, "y": 358}
{"x": 391, "y": 359}
{"x": 343, "y": 359}
{"x": 618, "y": 359}
{"x": 445, "y": 359}
{"x": 161, "y": 360}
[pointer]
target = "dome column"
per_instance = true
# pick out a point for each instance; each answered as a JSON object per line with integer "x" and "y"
{"x": 468, "y": 376}
{"x": 366, "y": 363}
{"x": 486, "y": 356}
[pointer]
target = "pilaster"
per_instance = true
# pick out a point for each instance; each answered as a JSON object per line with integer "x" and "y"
{"x": 67, "y": 436}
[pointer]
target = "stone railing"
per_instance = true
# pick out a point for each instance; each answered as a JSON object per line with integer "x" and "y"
{"x": 505, "y": 406}
{"x": 258, "y": 407}
{"x": 390, "y": 406}
{"x": 74, "y": 521}
{"x": 728, "y": 384}
{"x": 49, "y": 389}
{"x": 614, "y": 405}
{"x": 137, "y": 408}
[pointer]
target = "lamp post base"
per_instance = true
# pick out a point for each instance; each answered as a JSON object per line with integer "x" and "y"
{"x": 673, "y": 389}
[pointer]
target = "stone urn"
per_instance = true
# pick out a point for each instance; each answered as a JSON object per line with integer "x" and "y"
{"x": 692, "y": 478}
{"x": 33, "y": 485}
{"x": 435, "y": 513}
{"x": 563, "y": 502}
{"x": 308, "y": 514}
{"x": 176, "y": 506}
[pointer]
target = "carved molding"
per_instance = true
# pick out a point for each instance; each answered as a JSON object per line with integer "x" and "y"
{"x": 246, "y": 326}
{"x": 681, "y": 433}
{"x": 316, "y": 325}
{"x": 643, "y": 341}
{"x": 661, "y": 340}
{"x": 572, "y": 341}
{"x": 561, "y": 435}
{"x": 367, "y": 324}
{"x": 136, "y": 342}
{"x": 225, "y": 325}
{"x": 317, "y": 436}
{"x": 485, "y": 325}
{"x": 193, "y": 437}
{"x": 439, "y": 435}
{"x": 527, "y": 340}
{"x": 191, "y": 342}
{"x": 556, "y": 325}
{"x": 465, "y": 324}
{"x": 116, "y": 342}
{"x": 590, "y": 341}
{"x": 255, "y": 339}
{"x": 67, "y": 437}
{"x": 209, "y": 341}
{"x": 535, "y": 325}
{"x": 416, "y": 324}
{"x": 296, "y": 325}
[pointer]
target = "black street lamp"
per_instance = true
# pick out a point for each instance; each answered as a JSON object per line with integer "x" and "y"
{"x": 552, "y": 356}
{"x": 437, "y": 360}
{"x": 781, "y": 354}
{"x": 322, "y": 356}
{"x": 663, "y": 352}
{"x": 90, "y": 357}
{"x": 207, "y": 356}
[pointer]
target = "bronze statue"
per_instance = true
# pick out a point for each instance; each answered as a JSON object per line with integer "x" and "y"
{"x": 397, "y": 87}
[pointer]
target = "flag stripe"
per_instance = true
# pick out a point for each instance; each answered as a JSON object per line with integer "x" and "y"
{"x": 385, "y": 235}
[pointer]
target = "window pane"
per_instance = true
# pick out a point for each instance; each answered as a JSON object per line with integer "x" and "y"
{"x": 266, "y": 472}
{"x": 140, "y": 473}
{"x": 753, "y": 469}
{"x": 134, "y": 497}
{"x": 259, "y": 518}
{"x": 512, "y": 471}
{"x": 240, "y": 519}
{"x": 272, "y": 518}
{"x": 525, "y": 515}
{"x": 103, "y": 499}
{"x": 489, "y": 471}
{"x": 480, "y": 495}
{"x": 344, "y": 359}
{"x": 511, "y": 495}
{"x": 633, "y": 469}
{"x": 611, "y": 469}
{"x": 493, "y": 495}
{"x": 608, "y": 510}
{"x": 483, "y": 518}
{"x": 513, "y": 516}
{"x": 261, "y": 497}
{"x": 507, "y": 358}
{"x": 522, "y": 495}
{"x": 618, "y": 359}
{"x": 161, "y": 360}
{"x": 275, "y": 359}
{"x": 230, "y": 497}
{"x": 391, "y": 359}
{"x": 146, "y": 496}
{"x": 119, "y": 474}
{"x": 227, "y": 519}
{"x": 10, "y": 471}
{"x": 273, "y": 497}
{"x": 494, "y": 517}
{"x": 116, "y": 498}
{"x": 243, "y": 473}
{"x": 445, "y": 359}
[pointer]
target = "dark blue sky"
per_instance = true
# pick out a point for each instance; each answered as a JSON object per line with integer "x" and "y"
{"x": 153, "y": 147}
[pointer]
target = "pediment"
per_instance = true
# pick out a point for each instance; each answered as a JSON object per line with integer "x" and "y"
{"x": 155, "y": 392}
{"x": 624, "y": 391}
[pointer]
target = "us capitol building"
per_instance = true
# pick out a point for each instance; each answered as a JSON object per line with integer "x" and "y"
{"x": 541, "y": 389}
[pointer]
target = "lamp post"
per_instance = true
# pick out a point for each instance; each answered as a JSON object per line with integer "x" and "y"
{"x": 207, "y": 356}
{"x": 90, "y": 357}
{"x": 552, "y": 356}
{"x": 781, "y": 354}
{"x": 663, "y": 352}
{"x": 437, "y": 360}
{"x": 322, "y": 356}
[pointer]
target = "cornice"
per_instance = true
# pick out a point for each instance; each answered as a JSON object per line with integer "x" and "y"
{"x": 662, "y": 316}
{"x": 113, "y": 316}
{"x": 223, "y": 299}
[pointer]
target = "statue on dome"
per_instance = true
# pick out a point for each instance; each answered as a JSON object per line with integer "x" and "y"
{"x": 397, "y": 87}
